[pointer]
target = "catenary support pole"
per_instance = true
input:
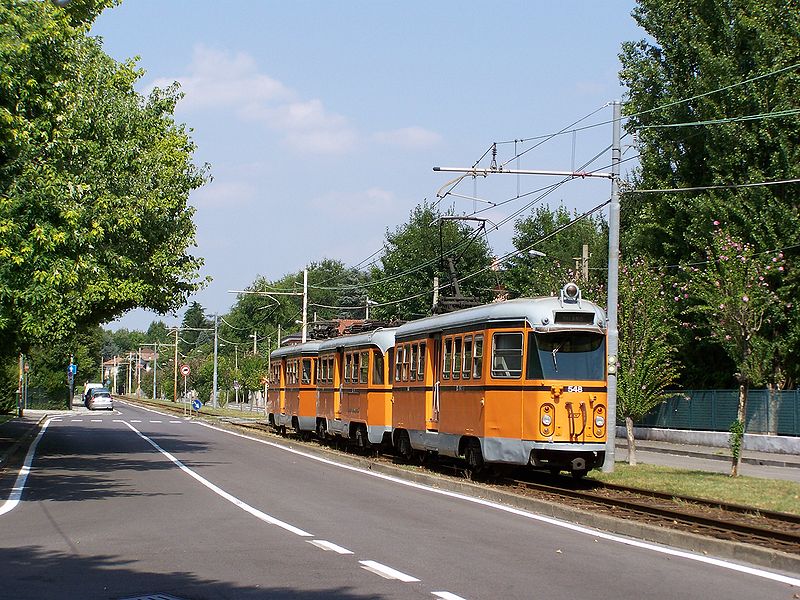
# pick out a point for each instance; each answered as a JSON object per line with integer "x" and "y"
{"x": 214, "y": 383}
{"x": 305, "y": 305}
{"x": 175, "y": 374}
{"x": 613, "y": 292}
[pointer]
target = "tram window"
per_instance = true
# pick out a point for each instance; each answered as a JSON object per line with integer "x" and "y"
{"x": 457, "y": 358}
{"x": 412, "y": 361}
{"x": 306, "y": 370}
{"x": 398, "y": 360}
{"x": 364, "y": 372}
{"x": 377, "y": 368}
{"x": 446, "y": 358}
{"x": 348, "y": 367}
{"x": 421, "y": 362}
{"x": 467, "y": 366}
{"x": 477, "y": 364}
{"x": 507, "y": 355}
{"x": 405, "y": 361}
{"x": 356, "y": 366}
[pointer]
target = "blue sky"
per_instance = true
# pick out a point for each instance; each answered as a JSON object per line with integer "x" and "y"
{"x": 322, "y": 120}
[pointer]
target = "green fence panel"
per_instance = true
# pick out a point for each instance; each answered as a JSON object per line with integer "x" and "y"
{"x": 715, "y": 410}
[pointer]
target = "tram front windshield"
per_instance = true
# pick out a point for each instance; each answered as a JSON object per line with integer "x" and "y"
{"x": 578, "y": 355}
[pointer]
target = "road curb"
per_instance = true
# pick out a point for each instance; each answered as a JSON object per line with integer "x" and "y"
{"x": 21, "y": 443}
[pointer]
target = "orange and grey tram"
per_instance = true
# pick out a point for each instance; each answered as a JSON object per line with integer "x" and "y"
{"x": 521, "y": 382}
{"x": 354, "y": 392}
{"x": 291, "y": 399}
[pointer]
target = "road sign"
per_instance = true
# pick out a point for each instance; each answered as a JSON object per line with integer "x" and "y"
{"x": 196, "y": 404}
{"x": 72, "y": 369}
{"x": 185, "y": 370}
{"x": 236, "y": 385}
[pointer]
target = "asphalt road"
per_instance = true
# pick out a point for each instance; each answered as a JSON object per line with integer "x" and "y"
{"x": 136, "y": 503}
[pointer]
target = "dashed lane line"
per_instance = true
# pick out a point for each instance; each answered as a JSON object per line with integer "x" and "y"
{"x": 447, "y": 596}
{"x": 220, "y": 492}
{"x": 386, "y": 572}
{"x": 329, "y": 546}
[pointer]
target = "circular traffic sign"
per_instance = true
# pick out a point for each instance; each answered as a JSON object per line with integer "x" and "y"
{"x": 185, "y": 370}
{"x": 196, "y": 404}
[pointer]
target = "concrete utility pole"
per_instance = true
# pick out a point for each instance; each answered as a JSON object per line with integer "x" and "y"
{"x": 175, "y": 375}
{"x": 255, "y": 341}
{"x": 613, "y": 291}
{"x": 305, "y": 305}
{"x": 214, "y": 384}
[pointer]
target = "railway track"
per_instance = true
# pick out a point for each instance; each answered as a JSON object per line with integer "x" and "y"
{"x": 778, "y": 531}
{"x": 742, "y": 524}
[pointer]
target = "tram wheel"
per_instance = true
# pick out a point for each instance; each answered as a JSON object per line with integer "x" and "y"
{"x": 404, "y": 449}
{"x": 579, "y": 474}
{"x": 474, "y": 458}
{"x": 362, "y": 440}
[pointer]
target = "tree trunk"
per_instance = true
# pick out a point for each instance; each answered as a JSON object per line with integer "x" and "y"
{"x": 774, "y": 406}
{"x": 741, "y": 414}
{"x": 631, "y": 441}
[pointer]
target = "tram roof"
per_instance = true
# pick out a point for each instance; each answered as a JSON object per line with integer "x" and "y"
{"x": 382, "y": 338}
{"x": 308, "y": 349}
{"x": 539, "y": 313}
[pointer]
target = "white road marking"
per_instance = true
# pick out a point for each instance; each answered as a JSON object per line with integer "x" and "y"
{"x": 134, "y": 421}
{"x": 219, "y": 491}
{"x": 329, "y": 546}
{"x": 152, "y": 421}
{"x": 596, "y": 533}
{"x": 77, "y": 420}
{"x": 176, "y": 422}
{"x": 447, "y": 596}
{"x": 19, "y": 484}
{"x": 97, "y": 420}
{"x": 386, "y": 572}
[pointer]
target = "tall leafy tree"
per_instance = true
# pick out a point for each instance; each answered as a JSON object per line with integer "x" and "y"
{"x": 710, "y": 100}
{"x": 192, "y": 326}
{"x": 94, "y": 181}
{"x": 418, "y": 251}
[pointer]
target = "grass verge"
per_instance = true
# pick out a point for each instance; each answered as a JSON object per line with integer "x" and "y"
{"x": 764, "y": 494}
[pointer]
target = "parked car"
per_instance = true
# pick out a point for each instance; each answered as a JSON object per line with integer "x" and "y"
{"x": 87, "y": 392}
{"x": 100, "y": 398}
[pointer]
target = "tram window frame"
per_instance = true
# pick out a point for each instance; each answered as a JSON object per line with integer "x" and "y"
{"x": 457, "y": 347}
{"x": 307, "y": 374}
{"x": 477, "y": 357}
{"x": 377, "y": 367}
{"x": 363, "y": 372}
{"x": 398, "y": 359}
{"x": 356, "y": 367}
{"x": 466, "y": 366}
{"x": 348, "y": 367}
{"x": 447, "y": 351}
{"x": 412, "y": 362}
{"x": 421, "y": 361}
{"x": 507, "y": 353}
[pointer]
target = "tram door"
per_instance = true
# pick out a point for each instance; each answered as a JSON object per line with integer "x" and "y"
{"x": 436, "y": 370}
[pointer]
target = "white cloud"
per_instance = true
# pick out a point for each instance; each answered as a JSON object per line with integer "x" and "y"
{"x": 222, "y": 81}
{"x": 409, "y": 137}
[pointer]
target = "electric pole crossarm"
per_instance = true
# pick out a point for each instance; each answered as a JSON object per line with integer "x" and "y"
{"x": 486, "y": 172}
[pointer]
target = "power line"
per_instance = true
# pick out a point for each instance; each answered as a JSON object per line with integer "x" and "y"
{"x": 756, "y": 117}
{"x": 713, "y": 187}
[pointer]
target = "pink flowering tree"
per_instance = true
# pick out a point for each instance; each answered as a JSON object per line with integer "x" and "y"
{"x": 734, "y": 294}
{"x": 647, "y": 354}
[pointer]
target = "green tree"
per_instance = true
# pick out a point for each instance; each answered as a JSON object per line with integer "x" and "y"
{"x": 417, "y": 251}
{"x": 192, "y": 332}
{"x": 734, "y": 294}
{"x": 647, "y": 362}
{"x": 689, "y": 71}
{"x": 94, "y": 181}
{"x": 554, "y": 234}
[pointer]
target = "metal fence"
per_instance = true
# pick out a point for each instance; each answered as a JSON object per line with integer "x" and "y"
{"x": 40, "y": 399}
{"x": 715, "y": 410}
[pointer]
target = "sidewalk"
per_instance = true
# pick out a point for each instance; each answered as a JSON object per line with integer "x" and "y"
{"x": 751, "y": 457}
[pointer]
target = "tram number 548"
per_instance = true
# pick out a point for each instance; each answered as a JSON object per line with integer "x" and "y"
{"x": 575, "y": 388}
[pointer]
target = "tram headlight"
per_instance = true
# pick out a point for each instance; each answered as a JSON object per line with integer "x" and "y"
{"x": 599, "y": 421}
{"x": 546, "y": 420}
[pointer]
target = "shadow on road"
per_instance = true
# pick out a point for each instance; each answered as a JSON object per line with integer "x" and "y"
{"x": 30, "y": 572}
